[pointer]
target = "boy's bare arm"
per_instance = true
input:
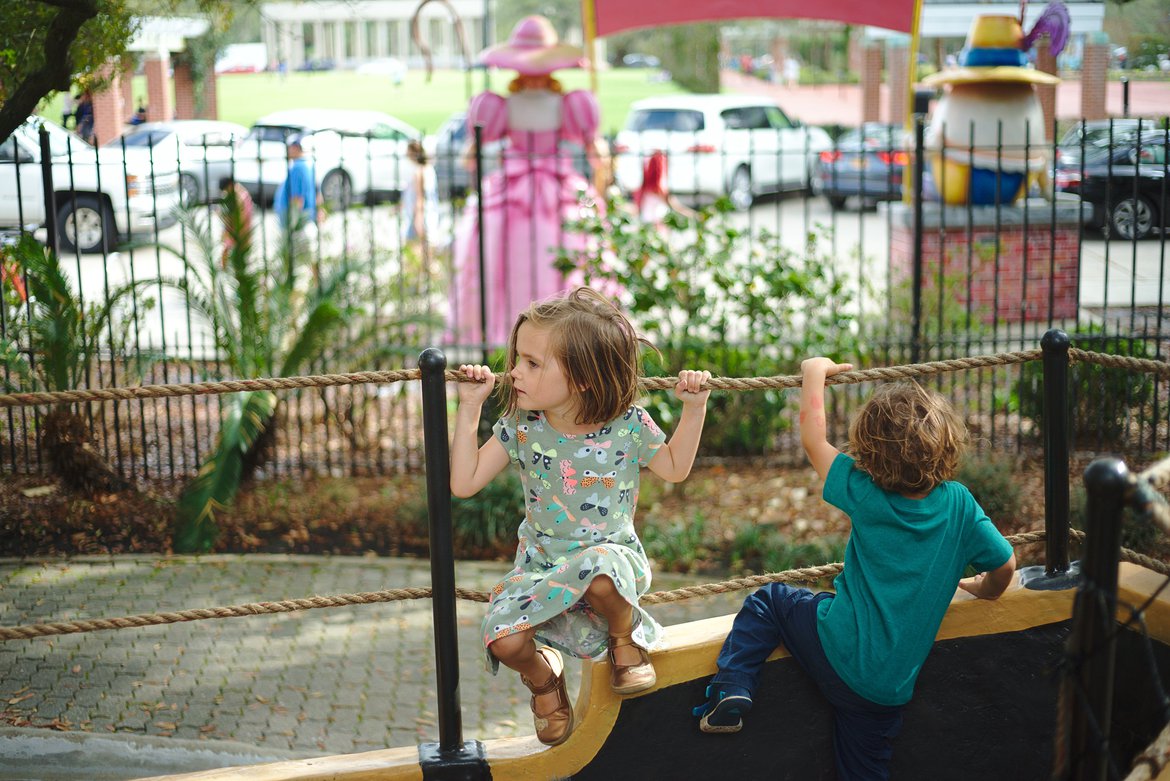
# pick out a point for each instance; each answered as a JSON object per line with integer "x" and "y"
{"x": 813, "y": 426}
{"x": 990, "y": 585}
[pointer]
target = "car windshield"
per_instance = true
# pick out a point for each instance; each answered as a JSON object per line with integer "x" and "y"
{"x": 146, "y": 138}
{"x": 675, "y": 120}
{"x": 272, "y": 133}
{"x": 875, "y": 137}
{"x": 61, "y": 141}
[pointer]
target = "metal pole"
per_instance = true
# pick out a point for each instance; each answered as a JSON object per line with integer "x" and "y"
{"x": 919, "y": 171}
{"x": 47, "y": 183}
{"x": 1125, "y": 96}
{"x": 450, "y": 758}
{"x": 1055, "y": 345}
{"x": 483, "y": 319}
{"x": 1091, "y": 649}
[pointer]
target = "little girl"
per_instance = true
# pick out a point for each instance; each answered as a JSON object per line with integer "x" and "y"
{"x": 570, "y": 425}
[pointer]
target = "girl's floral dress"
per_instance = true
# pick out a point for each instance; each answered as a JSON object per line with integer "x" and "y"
{"x": 580, "y": 491}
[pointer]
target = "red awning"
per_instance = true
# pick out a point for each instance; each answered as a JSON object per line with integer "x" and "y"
{"x": 615, "y": 16}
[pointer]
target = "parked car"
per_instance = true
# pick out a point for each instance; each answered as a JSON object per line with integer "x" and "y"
{"x": 1125, "y": 183}
{"x": 205, "y": 149}
{"x": 100, "y": 196}
{"x": 635, "y": 60}
{"x": 392, "y": 67}
{"x": 358, "y": 155}
{"x": 1096, "y": 132}
{"x": 448, "y": 146}
{"x": 866, "y": 163}
{"x": 734, "y": 145}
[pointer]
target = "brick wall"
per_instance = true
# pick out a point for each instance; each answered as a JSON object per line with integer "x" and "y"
{"x": 109, "y": 111}
{"x": 897, "y": 59}
{"x": 1045, "y": 61}
{"x": 184, "y": 92}
{"x": 1094, "y": 69}
{"x": 1007, "y": 283}
{"x": 158, "y": 89}
{"x": 871, "y": 83}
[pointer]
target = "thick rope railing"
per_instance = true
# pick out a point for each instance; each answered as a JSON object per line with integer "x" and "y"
{"x": 908, "y": 371}
{"x": 802, "y": 575}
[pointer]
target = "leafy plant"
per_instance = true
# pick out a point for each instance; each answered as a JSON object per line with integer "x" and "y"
{"x": 489, "y": 518}
{"x": 991, "y": 479}
{"x": 267, "y": 318}
{"x": 52, "y": 341}
{"x": 1102, "y": 400}
{"x": 678, "y": 546}
{"x": 710, "y": 295}
{"x": 758, "y": 549}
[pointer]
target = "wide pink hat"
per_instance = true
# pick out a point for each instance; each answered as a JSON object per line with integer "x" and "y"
{"x": 533, "y": 49}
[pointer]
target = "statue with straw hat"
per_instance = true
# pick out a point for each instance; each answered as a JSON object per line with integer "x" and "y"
{"x": 986, "y": 139}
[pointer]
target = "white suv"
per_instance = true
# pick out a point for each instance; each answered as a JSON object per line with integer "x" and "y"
{"x": 358, "y": 155}
{"x": 733, "y": 145}
{"x": 100, "y": 196}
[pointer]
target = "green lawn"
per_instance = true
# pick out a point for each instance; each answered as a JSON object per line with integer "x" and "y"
{"x": 243, "y": 98}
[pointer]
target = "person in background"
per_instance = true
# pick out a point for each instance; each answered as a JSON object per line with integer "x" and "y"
{"x": 236, "y": 215}
{"x": 83, "y": 116}
{"x": 653, "y": 199}
{"x": 420, "y": 199}
{"x": 68, "y": 104}
{"x": 139, "y": 114}
{"x": 296, "y": 201}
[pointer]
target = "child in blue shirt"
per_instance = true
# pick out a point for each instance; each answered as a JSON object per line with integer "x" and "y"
{"x": 914, "y": 532}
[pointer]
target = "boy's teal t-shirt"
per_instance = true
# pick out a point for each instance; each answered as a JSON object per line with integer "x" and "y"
{"x": 903, "y": 563}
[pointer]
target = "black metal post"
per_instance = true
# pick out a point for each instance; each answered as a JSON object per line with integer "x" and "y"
{"x": 1125, "y": 96}
{"x": 1057, "y": 573}
{"x": 451, "y": 758}
{"x": 47, "y": 183}
{"x": 919, "y": 172}
{"x": 483, "y": 319}
{"x": 1091, "y": 648}
{"x": 1055, "y": 345}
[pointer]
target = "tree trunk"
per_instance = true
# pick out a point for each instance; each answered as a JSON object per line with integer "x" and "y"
{"x": 65, "y": 438}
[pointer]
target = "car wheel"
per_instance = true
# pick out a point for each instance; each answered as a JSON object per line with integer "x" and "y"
{"x": 84, "y": 223}
{"x": 188, "y": 190}
{"x": 1131, "y": 218}
{"x": 740, "y": 189}
{"x": 336, "y": 190}
{"x": 836, "y": 202}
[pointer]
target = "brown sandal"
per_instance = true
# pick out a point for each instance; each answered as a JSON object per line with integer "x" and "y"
{"x": 554, "y": 727}
{"x": 634, "y": 678}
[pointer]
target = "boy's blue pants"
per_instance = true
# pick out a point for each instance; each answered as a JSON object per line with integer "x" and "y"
{"x": 777, "y": 614}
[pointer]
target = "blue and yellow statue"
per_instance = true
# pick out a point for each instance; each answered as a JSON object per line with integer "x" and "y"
{"x": 986, "y": 140}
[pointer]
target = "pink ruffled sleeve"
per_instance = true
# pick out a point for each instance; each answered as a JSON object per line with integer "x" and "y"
{"x": 491, "y": 111}
{"x": 581, "y": 116}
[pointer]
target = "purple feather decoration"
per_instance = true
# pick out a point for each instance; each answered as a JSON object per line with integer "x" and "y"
{"x": 1054, "y": 23}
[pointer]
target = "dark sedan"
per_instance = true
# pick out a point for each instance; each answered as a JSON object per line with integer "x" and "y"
{"x": 865, "y": 163}
{"x": 1126, "y": 184}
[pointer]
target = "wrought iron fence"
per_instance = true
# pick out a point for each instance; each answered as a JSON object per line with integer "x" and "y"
{"x": 918, "y": 280}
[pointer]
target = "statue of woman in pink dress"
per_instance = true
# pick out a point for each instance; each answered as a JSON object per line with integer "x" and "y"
{"x": 534, "y": 193}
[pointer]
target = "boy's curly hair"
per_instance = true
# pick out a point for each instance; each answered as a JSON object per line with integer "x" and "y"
{"x": 596, "y": 347}
{"x": 907, "y": 438}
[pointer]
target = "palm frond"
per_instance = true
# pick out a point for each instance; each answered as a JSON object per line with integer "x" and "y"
{"x": 214, "y": 488}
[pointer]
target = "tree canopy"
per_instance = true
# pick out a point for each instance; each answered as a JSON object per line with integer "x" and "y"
{"x": 47, "y": 46}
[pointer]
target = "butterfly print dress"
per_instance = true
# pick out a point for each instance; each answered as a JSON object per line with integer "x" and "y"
{"x": 580, "y": 491}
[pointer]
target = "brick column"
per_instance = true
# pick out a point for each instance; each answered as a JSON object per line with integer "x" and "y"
{"x": 1045, "y": 61}
{"x": 210, "y": 95}
{"x": 871, "y": 83}
{"x": 184, "y": 92}
{"x": 1094, "y": 71}
{"x": 158, "y": 88}
{"x": 109, "y": 113}
{"x": 127, "y": 82}
{"x": 897, "y": 77}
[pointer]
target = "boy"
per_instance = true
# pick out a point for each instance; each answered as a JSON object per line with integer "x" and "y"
{"x": 914, "y": 532}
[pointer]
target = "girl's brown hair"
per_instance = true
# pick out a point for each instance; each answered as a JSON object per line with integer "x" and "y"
{"x": 596, "y": 347}
{"x": 907, "y": 438}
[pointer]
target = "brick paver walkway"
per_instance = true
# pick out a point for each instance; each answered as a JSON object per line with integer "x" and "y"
{"x": 334, "y": 680}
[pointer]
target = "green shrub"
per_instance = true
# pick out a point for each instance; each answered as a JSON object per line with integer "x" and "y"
{"x": 678, "y": 546}
{"x": 709, "y": 295}
{"x": 490, "y": 518}
{"x": 1102, "y": 400}
{"x": 758, "y": 549}
{"x": 991, "y": 479}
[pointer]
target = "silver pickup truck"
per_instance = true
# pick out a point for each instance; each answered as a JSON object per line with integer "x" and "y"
{"x": 100, "y": 196}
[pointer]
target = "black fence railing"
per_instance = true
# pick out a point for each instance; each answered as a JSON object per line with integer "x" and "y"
{"x": 990, "y": 279}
